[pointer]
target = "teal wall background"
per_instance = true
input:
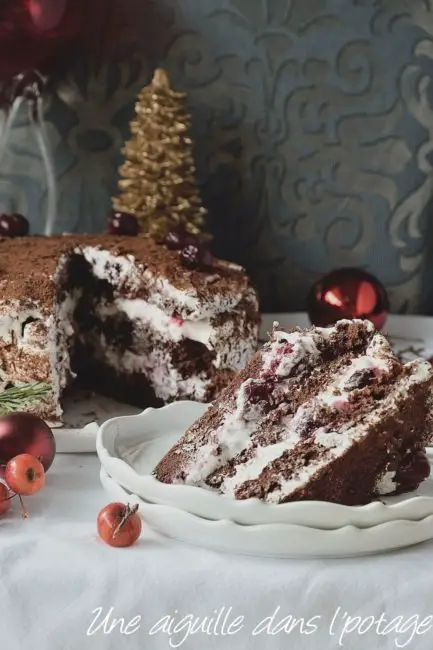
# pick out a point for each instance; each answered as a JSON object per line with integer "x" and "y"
{"x": 313, "y": 122}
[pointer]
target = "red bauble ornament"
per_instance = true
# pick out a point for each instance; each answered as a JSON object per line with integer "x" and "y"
{"x": 33, "y": 33}
{"x": 348, "y": 293}
{"x": 24, "y": 433}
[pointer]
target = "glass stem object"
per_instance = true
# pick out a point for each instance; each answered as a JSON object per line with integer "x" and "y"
{"x": 38, "y": 124}
{"x": 27, "y": 88}
{"x": 9, "y": 119}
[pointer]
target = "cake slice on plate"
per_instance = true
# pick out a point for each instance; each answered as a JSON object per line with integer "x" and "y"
{"x": 130, "y": 317}
{"x": 324, "y": 414}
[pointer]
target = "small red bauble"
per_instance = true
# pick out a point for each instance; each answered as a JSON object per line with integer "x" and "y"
{"x": 24, "y": 433}
{"x": 5, "y": 501}
{"x": 122, "y": 223}
{"x": 347, "y": 294}
{"x": 25, "y": 475}
{"x": 13, "y": 225}
{"x": 119, "y": 525}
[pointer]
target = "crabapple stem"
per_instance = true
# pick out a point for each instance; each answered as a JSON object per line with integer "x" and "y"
{"x": 130, "y": 510}
{"x": 25, "y": 514}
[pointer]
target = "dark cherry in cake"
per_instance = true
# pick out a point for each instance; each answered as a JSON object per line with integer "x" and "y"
{"x": 323, "y": 414}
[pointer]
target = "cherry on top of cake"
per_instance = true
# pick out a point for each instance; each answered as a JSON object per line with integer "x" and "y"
{"x": 28, "y": 264}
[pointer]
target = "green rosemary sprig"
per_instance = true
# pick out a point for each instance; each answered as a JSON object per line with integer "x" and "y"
{"x": 17, "y": 398}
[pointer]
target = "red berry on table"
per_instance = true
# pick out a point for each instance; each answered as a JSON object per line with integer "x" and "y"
{"x": 25, "y": 475}
{"x": 5, "y": 501}
{"x": 123, "y": 223}
{"x": 13, "y": 225}
{"x": 119, "y": 525}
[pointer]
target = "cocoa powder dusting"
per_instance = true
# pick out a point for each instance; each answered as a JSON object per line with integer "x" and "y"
{"x": 27, "y": 265}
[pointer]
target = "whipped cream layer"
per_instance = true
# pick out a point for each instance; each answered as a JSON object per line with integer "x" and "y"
{"x": 124, "y": 271}
{"x": 164, "y": 377}
{"x": 230, "y": 337}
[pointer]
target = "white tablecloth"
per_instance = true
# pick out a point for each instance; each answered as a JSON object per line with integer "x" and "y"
{"x": 55, "y": 573}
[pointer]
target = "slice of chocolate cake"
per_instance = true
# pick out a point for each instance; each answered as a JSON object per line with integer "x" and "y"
{"x": 125, "y": 316}
{"x": 324, "y": 414}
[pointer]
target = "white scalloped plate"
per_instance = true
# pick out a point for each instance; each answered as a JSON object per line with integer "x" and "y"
{"x": 129, "y": 448}
{"x": 274, "y": 540}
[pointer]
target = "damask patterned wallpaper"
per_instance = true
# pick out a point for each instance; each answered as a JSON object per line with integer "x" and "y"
{"x": 313, "y": 122}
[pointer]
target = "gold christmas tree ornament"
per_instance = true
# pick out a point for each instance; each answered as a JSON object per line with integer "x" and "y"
{"x": 157, "y": 180}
